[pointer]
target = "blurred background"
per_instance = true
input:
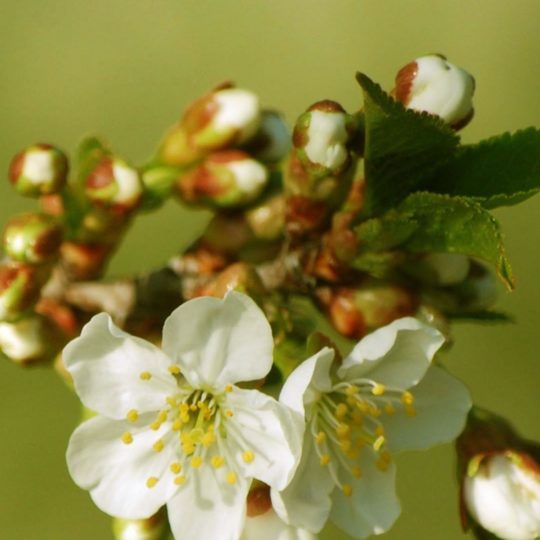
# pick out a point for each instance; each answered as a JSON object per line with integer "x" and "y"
{"x": 124, "y": 69}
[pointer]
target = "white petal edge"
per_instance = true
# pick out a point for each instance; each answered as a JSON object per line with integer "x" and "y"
{"x": 305, "y": 503}
{"x": 442, "y": 403}
{"x": 116, "y": 473}
{"x": 106, "y": 365}
{"x": 217, "y": 342}
{"x": 308, "y": 380}
{"x": 270, "y": 430}
{"x": 397, "y": 354}
{"x": 373, "y": 506}
{"x": 208, "y": 508}
{"x": 269, "y": 526}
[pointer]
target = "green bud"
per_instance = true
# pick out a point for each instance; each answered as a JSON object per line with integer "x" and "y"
{"x": 20, "y": 286}
{"x": 228, "y": 179}
{"x": 33, "y": 238}
{"x": 272, "y": 142}
{"x": 152, "y": 528}
{"x": 223, "y": 118}
{"x": 38, "y": 170}
{"x": 30, "y": 340}
{"x": 267, "y": 219}
{"x": 113, "y": 184}
{"x": 158, "y": 185}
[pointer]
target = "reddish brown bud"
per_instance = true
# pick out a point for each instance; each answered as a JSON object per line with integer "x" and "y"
{"x": 84, "y": 261}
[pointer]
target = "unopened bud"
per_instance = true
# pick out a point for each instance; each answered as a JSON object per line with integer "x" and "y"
{"x": 114, "y": 184}
{"x": 258, "y": 499}
{"x": 238, "y": 277}
{"x": 226, "y": 117}
{"x": 267, "y": 219}
{"x": 321, "y": 136}
{"x": 158, "y": 185}
{"x": 434, "y": 85}
{"x": 83, "y": 262}
{"x": 272, "y": 142}
{"x": 40, "y": 169}
{"x": 32, "y": 238}
{"x": 225, "y": 179}
{"x": 30, "y": 340}
{"x": 152, "y": 528}
{"x": 444, "y": 269}
{"x": 20, "y": 286}
{"x": 500, "y": 475}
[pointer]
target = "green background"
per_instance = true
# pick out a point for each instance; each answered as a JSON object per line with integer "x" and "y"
{"x": 126, "y": 68}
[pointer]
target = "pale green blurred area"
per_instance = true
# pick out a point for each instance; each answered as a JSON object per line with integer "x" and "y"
{"x": 126, "y": 68}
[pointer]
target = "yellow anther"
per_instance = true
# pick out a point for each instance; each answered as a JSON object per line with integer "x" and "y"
{"x": 389, "y": 409}
{"x": 188, "y": 448}
{"x": 343, "y": 430}
{"x": 352, "y": 454}
{"x": 155, "y": 425}
{"x": 158, "y": 445}
{"x": 229, "y": 413}
{"x": 378, "y": 389}
{"x": 345, "y": 445}
{"x": 351, "y": 400}
{"x": 358, "y": 418}
{"x": 193, "y": 407}
{"x": 379, "y": 431}
{"x": 325, "y": 459}
{"x": 174, "y": 370}
{"x": 248, "y": 456}
{"x": 208, "y": 439}
{"x": 184, "y": 417}
{"x": 145, "y": 375}
{"x": 357, "y": 472}
{"x": 351, "y": 390}
{"x": 362, "y": 406}
{"x": 375, "y": 412}
{"x": 347, "y": 490}
{"x": 321, "y": 437}
{"x": 217, "y": 461}
{"x": 184, "y": 408}
{"x": 201, "y": 405}
{"x": 151, "y": 482}
{"x": 196, "y": 462}
{"x": 162, "y": 416}
{"x": 407, "y": 398}
{"x": 127, "y": 438}
{"x": 177, "y": 424}
{"x": 175, "y": 468}
{"x": 379, "y": 442}
{"x": 410, "y": 411}
{"x": 341, "y": 411}
{"x": 180, "y": 480}
{"x": 229, "y": 388}
{"x": 231, "y": 478}
{"x": 171, "y": 401}
{"x": 196, "y": 435}
{"x": 382, "y": 464}
{"x": 132, "y": 415}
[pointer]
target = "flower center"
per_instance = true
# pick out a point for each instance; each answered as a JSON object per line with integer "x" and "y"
{"x": 348, "y": 420}
{"x": 196, "y": 423}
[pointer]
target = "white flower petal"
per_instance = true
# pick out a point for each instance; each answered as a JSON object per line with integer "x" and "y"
{"x": 106, "y": 364}
{"x": 217, "y": 342}
{"x": 269, "y": 526}
{"x": 116, "y": 473}
{"x": 441, "y": 403}
{"x": 373, "y": 506}
{"x": 307, "y": 380}
{"x": 207, "y": 507}
{"x": 395, "y": 355}
{"x": 268, "y": 429}
{"x": 306, "y": 502}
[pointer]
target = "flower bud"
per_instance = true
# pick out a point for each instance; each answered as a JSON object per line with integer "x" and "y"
{"x": 226, "y": 117}
{"x": 272, "y": 142}
{"x": 440, "y": 269}
{"x": 40, "y": 169}
{"x": 83, "y": 262}
{"x": 152, "y": 528}
{"x": 30, "y": 340}
{"x": 434, "y": 85}
{"x": 500, "y": 475}
{"x": 267, "y": 219}
{"x": 158, "y": 185}
{"x": 238, "y": 277}
{"x": 32, "y": 238}
{"x": 321, "y": 136}
{"x": 225, "y": 179}
{"x": 113, "y": 184}
{"x": 20, "y": 287}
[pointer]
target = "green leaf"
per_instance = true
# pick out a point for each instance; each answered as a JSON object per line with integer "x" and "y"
{"x": 433, "y": 223}
{"x": 499, "y": 171}
{"x": 402, "y": 148}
